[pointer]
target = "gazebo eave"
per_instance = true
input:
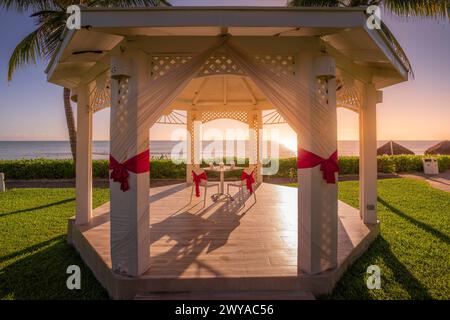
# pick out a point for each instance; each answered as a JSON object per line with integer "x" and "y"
{"x": 103, "y": 29}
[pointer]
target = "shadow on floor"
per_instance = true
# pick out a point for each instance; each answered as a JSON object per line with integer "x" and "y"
{"x": 70, "y": 183}
{"x": 193, "y": 234}
{"x": 168, "y": 192}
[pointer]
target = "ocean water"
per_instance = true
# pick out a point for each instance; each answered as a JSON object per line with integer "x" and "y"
{"x": 11, "y": 150}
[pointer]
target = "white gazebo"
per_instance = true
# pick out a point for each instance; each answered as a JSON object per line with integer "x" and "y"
{"x": 257, "y": 65}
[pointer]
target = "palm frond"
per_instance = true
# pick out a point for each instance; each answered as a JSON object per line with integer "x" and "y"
{"x": 52, "y": 25}
{"x": 27, "y": 5}
{"x": 28, "y": 51}
{"x": 125, "y": 3}
{"x": 405, "y": 8}
{"x": 50, "y": 17}
{"x": 314, "y": 3}
{"x": 419, "y": 8}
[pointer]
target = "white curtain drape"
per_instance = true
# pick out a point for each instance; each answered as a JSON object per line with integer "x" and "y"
{"x": 291, "y": 97}
{"x": 160, "y": 94}
{"x": 287, "y": 94}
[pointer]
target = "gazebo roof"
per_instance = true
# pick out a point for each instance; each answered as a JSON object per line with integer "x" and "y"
{"x": 83, "y": 53}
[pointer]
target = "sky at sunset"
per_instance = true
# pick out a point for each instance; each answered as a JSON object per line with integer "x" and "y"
{"x": 32, "y": 109}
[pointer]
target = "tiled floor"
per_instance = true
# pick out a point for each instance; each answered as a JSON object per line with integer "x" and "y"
{"x": 224, "y": 239}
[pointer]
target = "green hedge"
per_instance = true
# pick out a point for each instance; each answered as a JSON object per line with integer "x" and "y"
{"x": 166, "y": 169}
{"x": 385, "y": 164}
{"x": 38, "y": 169}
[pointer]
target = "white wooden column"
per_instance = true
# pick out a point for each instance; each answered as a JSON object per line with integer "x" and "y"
{"x": 129, "y": 213}
{"x": 317, "y": 200}
{"x": 83, "y": 178}
{"x": 259, "y": 144}
{"x": 197, "y": 147}
{"x": 189, "y": 146}
{"x": 368, "y": 154}
{"x": 254, "y": 147}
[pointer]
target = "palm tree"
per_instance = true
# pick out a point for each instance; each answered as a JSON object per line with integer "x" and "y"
{"x": 408, "y": 8}
{"x": 50, "y": 20}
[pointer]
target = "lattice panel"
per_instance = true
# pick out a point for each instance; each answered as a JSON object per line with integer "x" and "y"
{"x": 191, "y": 129}
{"x": 273, "y": 117}
{"x": 322, "y": 90}
{"x": 122, "y": 112}
{"x": 174, "y": 117}
{"x": 214, "y": 115}
{"x": 348, "y": 101}
{"x": 255, "y": 127}
{"x": 347, "y": 96}
{"x": 277, "y": 63}
{"x": 100, "y": 96}
{"x": 221, "y": 63}
{"x": 160, "y": 65}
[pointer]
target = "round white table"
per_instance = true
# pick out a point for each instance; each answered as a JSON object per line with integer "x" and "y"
{"x": 222, "y": 171}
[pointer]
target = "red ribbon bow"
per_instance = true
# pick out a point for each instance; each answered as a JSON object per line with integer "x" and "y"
{"x": 140, "y": 163}
{"x": 329, "y": 166}
{"x": 249, "y": 179}
{"x": 197, "y": 178}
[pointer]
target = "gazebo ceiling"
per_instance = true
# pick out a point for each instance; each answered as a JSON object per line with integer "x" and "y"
{"x": 221, "y": 91}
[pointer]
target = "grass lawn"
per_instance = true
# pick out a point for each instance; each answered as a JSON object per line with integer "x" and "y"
{"x": 34, "y": 254}
{"x": 413, "y": 250}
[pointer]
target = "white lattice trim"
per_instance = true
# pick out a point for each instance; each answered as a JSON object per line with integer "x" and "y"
{"x": 161, "y": 64}
{"x": 347, "y": 96}
{"x": 273, "y": 117}
{"x": 221, "y": 63}
{"x": 174, "y": 117}
{"x": 278, "y": 63}
{"x": 234, "y": 115}
{"x": 100, "y": 95}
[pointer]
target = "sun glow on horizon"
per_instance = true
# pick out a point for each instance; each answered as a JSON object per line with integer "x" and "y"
{"x": 290, "y": 143}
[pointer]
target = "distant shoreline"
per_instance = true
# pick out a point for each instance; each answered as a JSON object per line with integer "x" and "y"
{"x": 60, "y": 149}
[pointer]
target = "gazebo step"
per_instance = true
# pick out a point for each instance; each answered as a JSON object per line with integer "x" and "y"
{"x": 243, "y": 295}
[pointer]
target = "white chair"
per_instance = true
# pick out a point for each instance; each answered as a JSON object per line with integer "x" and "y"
{"x": 242, "y": 184}
{"x": 203, "y": 182}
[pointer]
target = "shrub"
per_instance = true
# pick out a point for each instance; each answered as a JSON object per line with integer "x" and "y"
{"x": 386, "y": 164}
{"x": 37, "y": 169}
{"x": 284, "y": 167}
{"x": 348, "y": 165}
{"x": 444, "y": 163}
{"x": 167, "y": 169}
{"x": 100, "y": 169}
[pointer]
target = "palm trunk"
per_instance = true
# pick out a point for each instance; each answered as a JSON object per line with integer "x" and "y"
{"x": 70, "y": 123}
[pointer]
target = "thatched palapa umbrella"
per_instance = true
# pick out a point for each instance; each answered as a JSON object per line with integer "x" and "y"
{"x": 442, "y": 147}
{"x": 392, "y": 148}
